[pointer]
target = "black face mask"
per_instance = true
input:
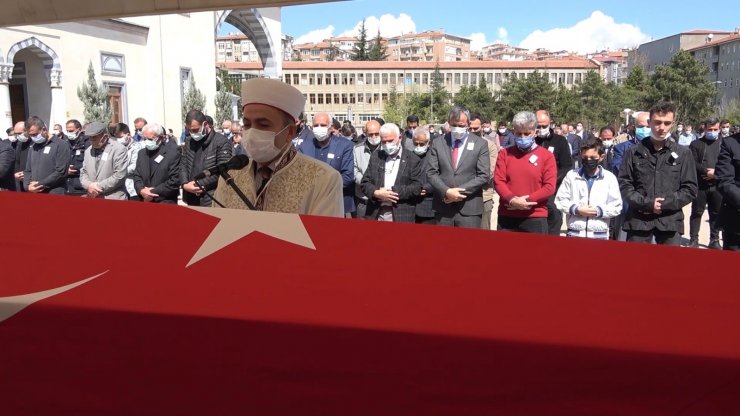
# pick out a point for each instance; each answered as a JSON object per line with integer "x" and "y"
{"x": 590, "y": 164}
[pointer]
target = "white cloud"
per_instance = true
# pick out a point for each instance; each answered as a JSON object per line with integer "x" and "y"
{"x": 478, "y": 39}
{"x": 593, "y": 34}
{"x": 315, "y": 36}
{"x": 388, "y": 24}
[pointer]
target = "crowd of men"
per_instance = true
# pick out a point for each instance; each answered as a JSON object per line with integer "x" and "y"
{"x": 631, "y": 186}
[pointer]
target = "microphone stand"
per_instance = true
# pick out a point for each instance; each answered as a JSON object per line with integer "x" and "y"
{"x": 209, "y": 194}
{"x": 229, "y": 180}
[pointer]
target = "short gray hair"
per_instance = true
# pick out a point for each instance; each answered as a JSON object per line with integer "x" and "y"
{"x": 154, "y": 128}
{"x": 456, "y": 113}
{"x": 390, "y": 128}
{"x": 524, "y": 120}
{"x": 421, "y": 132}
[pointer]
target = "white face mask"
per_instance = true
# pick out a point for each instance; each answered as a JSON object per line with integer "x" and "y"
{"x": 391, "y": 148}
{"x": 56, "y": 132}
{"x": 151, "y": 144}
{"x": 679, "y": 129}
{"x": 608, "y": 143}
{"x": 321, "y": 133}
{"x": 420, "y": 150}
{"x": 38, "y": 139}
{"x": 260, "y": 144}
{"x": 374, "y": 141}
{"x": 22, "y": 138}
{"x": 123, "y": 141}
{"x": 458, "y": 133}
{"x": 71, "y": 136}
{"x": 12, "y": 138}
{"x": 542, "y": 133}
{"x": 198, "y": 136}
{"x": 486, "y": 130}
{"x": 502, "y": 130}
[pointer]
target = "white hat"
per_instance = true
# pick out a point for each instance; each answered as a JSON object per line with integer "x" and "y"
{"x": 274, "y": 93}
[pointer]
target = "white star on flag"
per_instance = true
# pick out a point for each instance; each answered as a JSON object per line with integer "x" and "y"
{"x": 235, "y": 224}
{"x": 11, "y": 305}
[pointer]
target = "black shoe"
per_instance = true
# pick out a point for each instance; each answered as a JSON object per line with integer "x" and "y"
{"x": 694, "y": 243}
{"x": 714, "y": 245}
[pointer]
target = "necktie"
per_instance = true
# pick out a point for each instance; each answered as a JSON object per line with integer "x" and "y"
{"x": 264, "y": 173}
{"x": 455, "y": 150}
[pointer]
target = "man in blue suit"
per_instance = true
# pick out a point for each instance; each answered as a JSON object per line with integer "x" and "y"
{"x": 335, "y": 151}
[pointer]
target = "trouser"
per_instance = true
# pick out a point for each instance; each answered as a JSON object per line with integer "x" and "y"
{"x": 486, "y": 218}
{"x": 554, "y": 218}
{"x": 361, "y": 208}
{"x": 704, "y": 197}
{"x": 732, "y": 241}
{"x": 667, "y": 238}
{"x": 523, "y": 225}
{"x": 458, "y": 220}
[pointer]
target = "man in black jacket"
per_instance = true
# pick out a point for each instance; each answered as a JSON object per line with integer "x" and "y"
{"x": 424, "y": 211}
{"x": 204, "y": 149}
{"x": 46, "y": 168}
{"x": 558, "y": 146}
{"x": 705, "y": 152}
{"x": 157, "y": 172}
{"x": 728, "y": 183}
{"x": 657, "y": 178}
{"x": 7, "y": 166}
{"x": 78, "y": 142}
{"x": 392, "y": 179}
{"x": 22, "y": 145}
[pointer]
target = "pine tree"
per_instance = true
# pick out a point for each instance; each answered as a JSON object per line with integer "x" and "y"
{"x": 223, "y": 107}
{"x": 193, "y": 100}
{"x": 378, "y": 51}
{"x": 94, "y": 99}
{"x": 361, "y": 48}
{"x": 395, "y": 109}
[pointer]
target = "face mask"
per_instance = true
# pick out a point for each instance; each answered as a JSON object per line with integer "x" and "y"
{"x": 38, "y": 139}
{"x": 524, "y": 143}
{"x": 374, "y": 141}
{"x": 260, "y": 144}
{"x": 543, "y": 133}
{"x": 711, "y": 136}
{"x": 71, "y": 136}
{"x": 391, "y": 148}
{"x": 487, "y": 130}
{"x": 608, "y": 143}
{"x": 198, "y": 136}
{"x": 725, "y": 131}
{"x": 56, "y": 132}
{"x": 22, "y": 138}
{"x": 679, "y": 129}
{"x": 321, "y": 133}
{"x": 458, "y": 133}
{"x": 122, "y": 141}
{"x": 502, "y": 130}
{"x": 642, "y": 132}
{"x": 151, "y": 144}
{"x": 420, "y": 150}
{"x": 590, "y": 164}
{"x": 12, "y": 139}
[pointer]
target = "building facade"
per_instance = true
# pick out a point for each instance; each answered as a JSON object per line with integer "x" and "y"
{"x": 722, "y": 57}
{"x": 238, "y": 48}
{"x": 358, "y": 91}
{"x": 659, "y": 52}
{"x": 429, "y": 46}
{"x": 145, "y": 63}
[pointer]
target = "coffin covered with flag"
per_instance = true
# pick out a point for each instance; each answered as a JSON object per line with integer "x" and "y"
{"x": 123, "y": 308}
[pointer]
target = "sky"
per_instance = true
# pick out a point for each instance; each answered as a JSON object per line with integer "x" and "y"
{"x": 572, "y": 25}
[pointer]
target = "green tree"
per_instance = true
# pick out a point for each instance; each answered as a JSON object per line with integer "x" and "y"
{"x": 94, "y": 99}
{"x": 331, "y": 55}
{"x": 593, "y": 94}
{"x": 568, "y": 106}
{"x": 684, "y": 83}
{"x": 477, "y": 99}
{"x": 223, "y": 107}
{"x": 532, "y": 93}
{"x": 224, "y": 82}
{"x": 378, "y": 50}
{"x": 636, "y": 88}
{"x": 193, "y": 100}
{"x": 396, "y": 108}
{"x": 360, "y": 52}
{"x": 732, "y": 112}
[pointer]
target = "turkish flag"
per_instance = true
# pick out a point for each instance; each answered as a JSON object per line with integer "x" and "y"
{"x": 121, "y": 308}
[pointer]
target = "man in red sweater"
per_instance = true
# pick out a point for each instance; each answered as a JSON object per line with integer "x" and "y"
{"x": 525, "y": 179}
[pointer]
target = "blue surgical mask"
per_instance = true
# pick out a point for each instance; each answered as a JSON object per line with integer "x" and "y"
{"x": 711, "y": 135}
{"x": 524, "y": 143}
{"x": 151, "y": 145}
{"x": 643, "y": 132}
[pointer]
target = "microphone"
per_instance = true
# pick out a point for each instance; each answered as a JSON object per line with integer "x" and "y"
{"x": 236, "y": 162}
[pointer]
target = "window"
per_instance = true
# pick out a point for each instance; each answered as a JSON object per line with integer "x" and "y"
{"x": 497, "y": 79}
{"x": 328, "y": 79}
{"x": 336, "y": 98}
{"x": 385, "y": 78}
{"x": 344, "y": 79}
{"x": 457, "y": 78}
{"x": 312, "y": 98}
{"x": 352, "y": 99}
{"x": 465, "y": 79}
{"x": 425, "y": 78}
{"x": 315, "y": 53}
{"x": 344, "y": 98}
{"x": 385, "y": 97}
{"x": 579, "y": 78}
{"x": 336, "y": 79}
{"x": 570, "y": 78}
{"x": 320, "y": 99}
{"x": 360, "y": 79}
{"x": 295, "y": 79}
{"x": 311, "y": 79}
{"x": 116, "y": 101}
{"x": 113, "y": 64}
{"x": 184, "y": 82}
{"x": 393, "y": 78}
{"x": 319, "y": 79}
{"x": 376, "y": 79}
{"x": 473, "y": 79}
{"x": 287, "y": 79}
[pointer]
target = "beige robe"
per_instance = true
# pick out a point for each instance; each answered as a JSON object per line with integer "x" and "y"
{"x": 304, "y": 186}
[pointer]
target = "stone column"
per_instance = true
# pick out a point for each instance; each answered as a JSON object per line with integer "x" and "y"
{"x": 57, "y": 115}
{"x": 6, "y": 118}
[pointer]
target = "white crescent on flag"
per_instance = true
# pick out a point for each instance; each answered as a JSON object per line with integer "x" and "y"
{"x": 235, "y": 224}
{"x": 11, "y": 305}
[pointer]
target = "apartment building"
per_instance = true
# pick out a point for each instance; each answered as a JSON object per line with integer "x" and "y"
{"x": 722, "y": 57}
{"x": 238, "y": 48}
{"x": 428, "y": 46}
{"x": 503, "y": 52}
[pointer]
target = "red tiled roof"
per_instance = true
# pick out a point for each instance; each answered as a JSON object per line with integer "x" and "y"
{"x": 713, "y": 43}
{"x": 574, "y": 63}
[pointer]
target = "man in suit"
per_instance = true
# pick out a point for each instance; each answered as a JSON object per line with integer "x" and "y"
{"x": 7, "y": 166}
{"x": 392, "y": 179}
{"x": 558, "y": 146}
{"x": 424, "y": 211}
{"x": 476, "y": 127}
{"x": 46, "y": 167}
{"x": 104, "y": 170}
{"x": 77, "y": 145}
{"x": 335, "y": 151}
{"x": 21, "y": 145}
{"x": 459, "y": 168}
{"x": 157, "y": 171}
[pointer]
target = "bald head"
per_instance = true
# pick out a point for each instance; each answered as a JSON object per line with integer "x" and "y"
{"x": 372, "y": 126}
{"x": 543, "y": 118}
{"x": 19, "y": 128}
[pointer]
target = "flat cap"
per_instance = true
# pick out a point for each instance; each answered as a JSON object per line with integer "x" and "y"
{"x": 95, "y": 128}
